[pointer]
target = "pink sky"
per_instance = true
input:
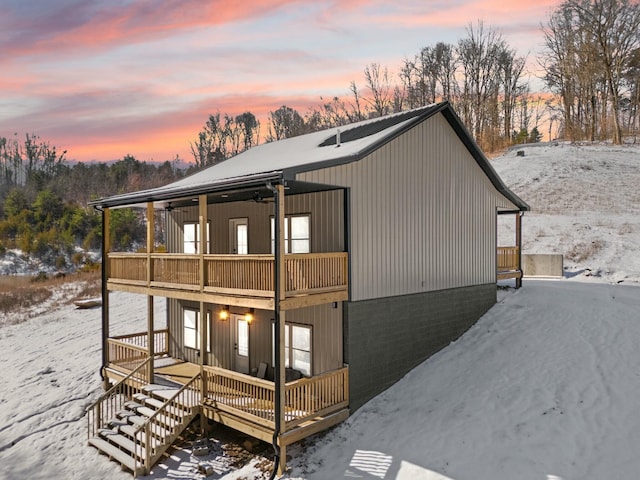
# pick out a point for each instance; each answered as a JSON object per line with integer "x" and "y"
{"x": 102, "y": 79}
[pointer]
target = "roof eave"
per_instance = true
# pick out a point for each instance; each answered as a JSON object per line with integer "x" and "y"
{"x": 481, "y": 159}
{"x": 165, "y": 194}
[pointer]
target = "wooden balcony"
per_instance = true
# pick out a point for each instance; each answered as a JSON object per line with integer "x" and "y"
{"x": 232, "y": 279}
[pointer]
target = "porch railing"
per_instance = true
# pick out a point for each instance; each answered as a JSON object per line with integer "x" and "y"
{"x": 310, "y": 397}
{"x": 249, "y": 274}
{"x": 125, "y": 355}
{"x": 160, "y": 341}
{"x": 253, "y": 398}
{"x": 238, "y": 393}
{"x": 508, "y": 258}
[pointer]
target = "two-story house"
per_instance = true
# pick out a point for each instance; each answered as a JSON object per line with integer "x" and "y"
{"x": 302, "y": 277}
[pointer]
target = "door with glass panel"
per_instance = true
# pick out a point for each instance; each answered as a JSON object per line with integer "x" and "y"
{"x": 241, "y": 343}
{"x": 239, "y": 236}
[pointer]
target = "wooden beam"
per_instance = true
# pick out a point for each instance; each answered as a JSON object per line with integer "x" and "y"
{"x": 292, "y": 303}
{"x": 314, "y": 426}
{"x": 194, "y": 296}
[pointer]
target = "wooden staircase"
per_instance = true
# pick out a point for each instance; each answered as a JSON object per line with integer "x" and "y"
{"x": 134, "y": 423}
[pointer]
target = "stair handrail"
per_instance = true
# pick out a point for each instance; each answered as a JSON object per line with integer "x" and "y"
{"x": 163, "y": 409}
{"x": 106, "y": 396}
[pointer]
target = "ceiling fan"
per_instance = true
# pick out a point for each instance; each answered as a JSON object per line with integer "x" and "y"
{"x": 258, "y": 198}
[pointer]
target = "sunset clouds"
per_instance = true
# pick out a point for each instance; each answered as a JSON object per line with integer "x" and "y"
{"x": 102, "y": 79}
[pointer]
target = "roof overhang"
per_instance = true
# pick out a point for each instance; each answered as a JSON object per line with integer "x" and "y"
{"x": 186, "y": 192}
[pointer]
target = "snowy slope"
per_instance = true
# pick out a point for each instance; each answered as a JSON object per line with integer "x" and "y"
{"x": 585, "y": 204}
{"x": 535, "y": 390}
{"x": 544, "y": 386}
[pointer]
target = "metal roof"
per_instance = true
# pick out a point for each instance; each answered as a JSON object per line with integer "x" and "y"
{"x": 281, "y": 160}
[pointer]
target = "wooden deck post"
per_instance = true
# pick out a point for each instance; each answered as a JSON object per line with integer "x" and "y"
{"x": 106, "y": 248}
{"x": 204, "y": 321}
{"x": 281, "y": 318}
{"x": 150, "y": 319}
{"x": 519, "y": 245}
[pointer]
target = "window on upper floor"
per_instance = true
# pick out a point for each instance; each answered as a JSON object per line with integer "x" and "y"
{"x": 297, "y": 234}
{"x": 192, "y": 238}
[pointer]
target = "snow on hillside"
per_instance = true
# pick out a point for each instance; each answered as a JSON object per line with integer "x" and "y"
{"x": 543, "y": 387}
{"x": 585, "y": 204}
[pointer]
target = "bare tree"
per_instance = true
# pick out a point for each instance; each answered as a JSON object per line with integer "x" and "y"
{"x": 377, "y": 79}
{"x": 614, "y": 26}
{"x": 479, "y": 55}
{"x": 589, "y": 47}
{"x": 212, "y": 143}
{"x": 285, "y": 122}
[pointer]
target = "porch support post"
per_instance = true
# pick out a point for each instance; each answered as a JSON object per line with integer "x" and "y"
{"x": 150, "y": 338}
{"x": 280, "y": 282}
{"x": 204, "y": 321}
{"x": 519, "y": 245}
{"x": 150, "y": 320}
{"x": 106, "y": 248}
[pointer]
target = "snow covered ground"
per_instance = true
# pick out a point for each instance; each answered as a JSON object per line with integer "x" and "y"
{"x": 543, "y": 387}
{"x": 585, "y": 204}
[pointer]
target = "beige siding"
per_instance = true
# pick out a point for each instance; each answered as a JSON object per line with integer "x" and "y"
{"x": 422, "y": 214}
{"x": 327, "y": 222}
{"x": 326, "y": 323}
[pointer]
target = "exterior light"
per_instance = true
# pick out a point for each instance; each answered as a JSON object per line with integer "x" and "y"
{"x": 224, "y": 313}
{"x": 249, "y": 316}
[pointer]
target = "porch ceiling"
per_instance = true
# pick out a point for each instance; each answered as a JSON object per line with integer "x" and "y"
{"x": 258, "y": 193}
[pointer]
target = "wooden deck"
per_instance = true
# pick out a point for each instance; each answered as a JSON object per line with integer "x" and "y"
{"x": 247, "y": 403}
{"x": 242, "y": 280}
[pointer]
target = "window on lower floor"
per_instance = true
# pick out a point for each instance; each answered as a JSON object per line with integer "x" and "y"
{"x": 297, "y": 347}
{"x": 192, "y": 328}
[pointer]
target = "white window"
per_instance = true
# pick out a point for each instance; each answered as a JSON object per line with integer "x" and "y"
{"x": 192, "y": 329}
{"x": 297, "y": 234}
{"x": 191, "y": 243}
{"x": 297, "y": 347}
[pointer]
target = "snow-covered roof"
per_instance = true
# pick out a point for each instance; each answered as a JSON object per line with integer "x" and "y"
{"x": 283, "y": 159}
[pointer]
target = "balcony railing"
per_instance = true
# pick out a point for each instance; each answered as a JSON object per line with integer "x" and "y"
{"x": 230, "y": 274}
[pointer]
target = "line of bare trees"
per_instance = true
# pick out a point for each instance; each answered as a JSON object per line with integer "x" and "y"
{"x": 592, "y": 64}
{"x": 481, "y": 76}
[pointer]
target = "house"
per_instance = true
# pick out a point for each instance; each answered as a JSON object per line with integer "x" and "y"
{"x": 303, "y": 277}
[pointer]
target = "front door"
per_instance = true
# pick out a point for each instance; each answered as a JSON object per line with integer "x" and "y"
{"x": 239, "y": 236}
{"x": 241, "y": 344}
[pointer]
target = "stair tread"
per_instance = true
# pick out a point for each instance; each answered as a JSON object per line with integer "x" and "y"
{"x": 131, "y": 417}
{"x": 113, "y": 452}
{"x": 146, "y": 412}
{"x": 122, "y": 441}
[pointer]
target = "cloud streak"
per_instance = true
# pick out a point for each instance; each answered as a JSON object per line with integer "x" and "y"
{"x": 103, "y": 78}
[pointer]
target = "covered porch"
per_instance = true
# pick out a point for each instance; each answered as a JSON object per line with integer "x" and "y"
{"x": 509, "y": 257}
{"x": 240, "y": 401}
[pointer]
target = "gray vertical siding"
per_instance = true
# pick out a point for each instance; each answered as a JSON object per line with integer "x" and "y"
{"x": 423, "y": 214}
{"x": 327, "y": 222}
{"x": 326, "y": 323}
